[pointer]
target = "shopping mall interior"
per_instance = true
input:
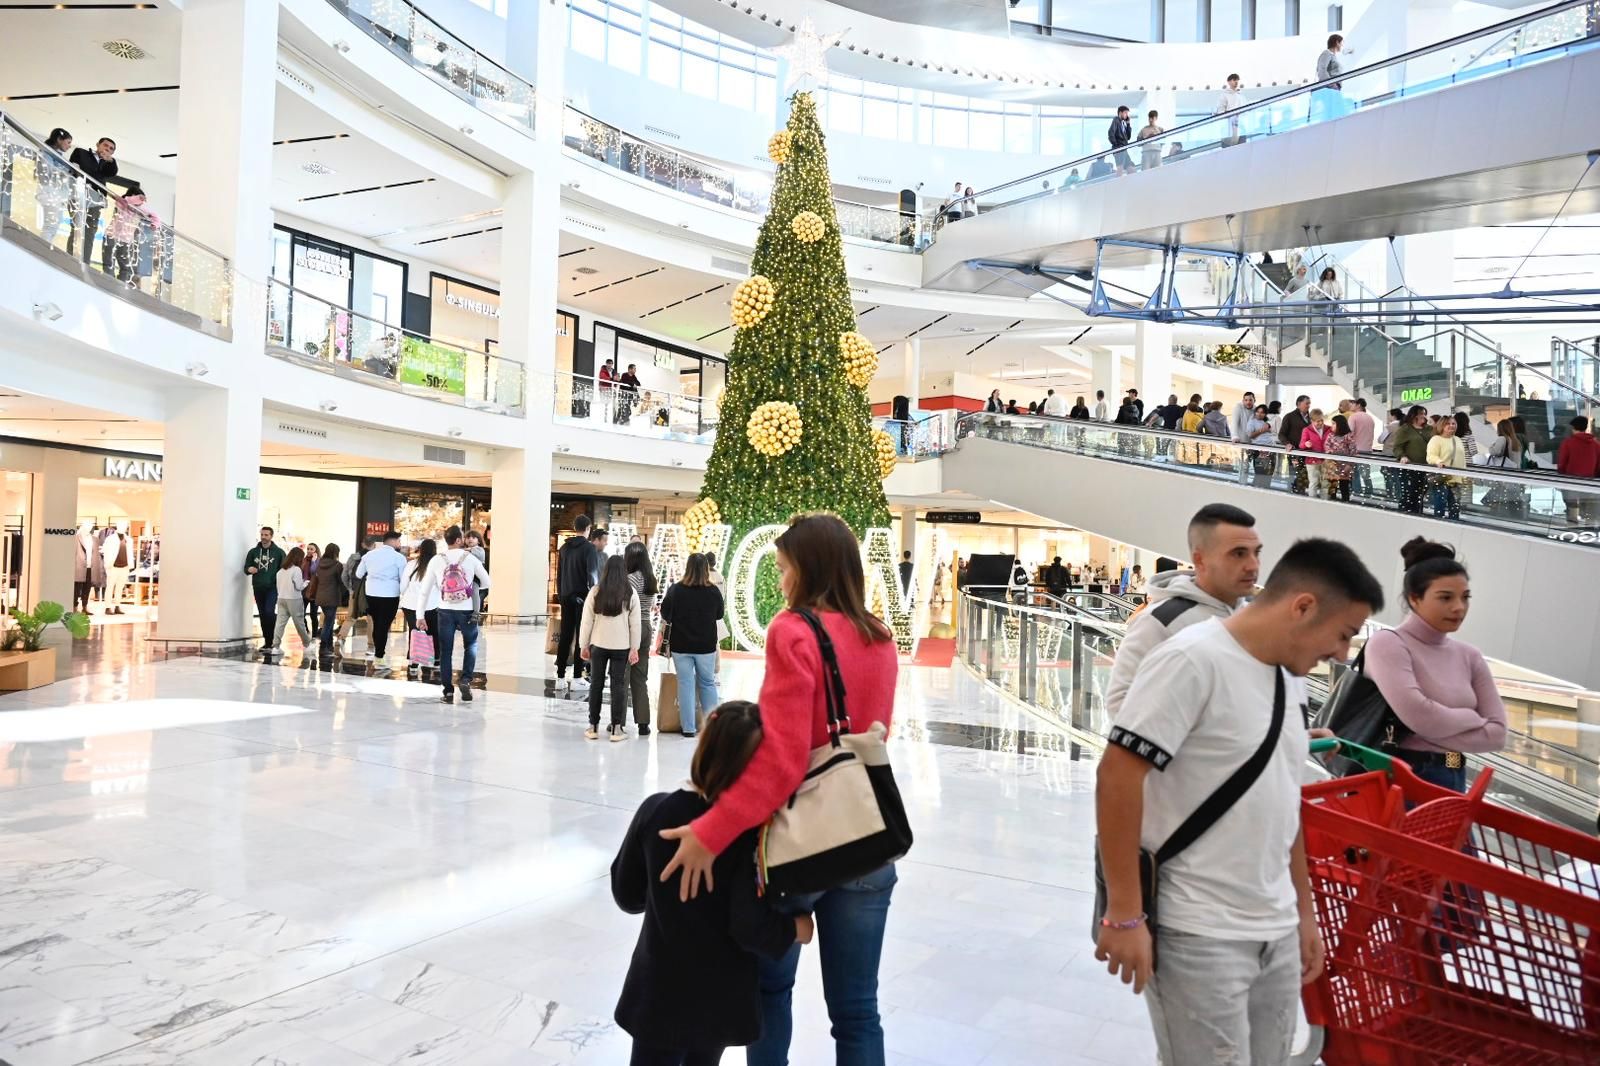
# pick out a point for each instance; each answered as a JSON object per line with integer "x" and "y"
{"x": 364, "y": 271}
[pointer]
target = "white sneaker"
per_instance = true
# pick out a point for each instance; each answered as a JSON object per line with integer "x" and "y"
{"x": 580, "y": 687}
{"x": 618, "y": 733}
{"x": 562, "y": 685}
{"x": 592, "y": 733}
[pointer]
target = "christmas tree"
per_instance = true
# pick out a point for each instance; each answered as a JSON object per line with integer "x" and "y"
{"x": 795, "y": 432}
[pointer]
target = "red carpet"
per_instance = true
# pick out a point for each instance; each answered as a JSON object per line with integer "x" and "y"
{"x": 935, "y": 651}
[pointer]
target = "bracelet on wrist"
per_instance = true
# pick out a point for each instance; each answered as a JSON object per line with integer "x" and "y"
{"x": 1131, "y": 923}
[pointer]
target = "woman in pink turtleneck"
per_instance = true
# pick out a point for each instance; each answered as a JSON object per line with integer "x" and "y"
{"x": 1441, "y": 689}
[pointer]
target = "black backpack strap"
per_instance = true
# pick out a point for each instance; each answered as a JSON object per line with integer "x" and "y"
{"x": 1233, "y": 789}
{"x": 833, "y": 680}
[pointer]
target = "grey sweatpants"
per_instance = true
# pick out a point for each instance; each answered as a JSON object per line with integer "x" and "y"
{"x": 1224, "y": 1002}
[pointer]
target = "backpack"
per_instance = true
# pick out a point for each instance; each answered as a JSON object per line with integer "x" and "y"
{"x": 455, "y": 587}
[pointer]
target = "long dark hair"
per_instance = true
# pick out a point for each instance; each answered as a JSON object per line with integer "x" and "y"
{"x": 826, "y": 559}
{"x": 425, "y": 553}
{"x": 296, "y": 556}
{"x": 330, "y": 554}
{"x": 57, "y": 135}
{"x": 636, "y": 557}
{"x": 612, "y": 594}
{"x": 1341, "y": 425}
{"x": 696, "y": 572}
{"x": 727, "y": 743}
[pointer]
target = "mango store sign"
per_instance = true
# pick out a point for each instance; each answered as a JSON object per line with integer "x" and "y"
{"x": 132, "y": 469}
{"x": 669, "y": 550}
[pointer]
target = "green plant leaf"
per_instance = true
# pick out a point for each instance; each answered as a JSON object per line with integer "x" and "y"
{"x": 76, "y": 623}
{"x": 47, "y": 612}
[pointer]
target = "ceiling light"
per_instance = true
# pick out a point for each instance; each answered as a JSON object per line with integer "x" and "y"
{"x": 328, "y": 406}
{"x": 314, "y": 167}
{"x": 196, "y": 370}
{"x": 587, "y": 270}
{"x": 124, "y": 49}
{"x": 341, "y": 46}
{"x": 47, "y": 312}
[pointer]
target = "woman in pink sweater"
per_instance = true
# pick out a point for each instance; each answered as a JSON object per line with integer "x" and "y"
{"x": 1441, "y": 689}
{"x": 819, "y": 561}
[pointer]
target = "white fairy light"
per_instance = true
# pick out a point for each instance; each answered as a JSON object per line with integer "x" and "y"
{"x": 807, "y": 57}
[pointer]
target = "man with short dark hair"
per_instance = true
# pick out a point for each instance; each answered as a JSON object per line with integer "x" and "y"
{"x": 1289, "y": 432}
{"x": 1226, "y": 553}
{"x": 1120, "y": 133}
{"x": 905, "y": 571}
{"x": 627, "y": 393}
{"x": 1237, "y": 933}
{"x": 1364, "y": 430}
{"x": 1101, "y": 412}
{"x": 1133, "y": 398}
{"x": 1239, "y": 427}
{"x": 100, "y": 167}
{"x": 572, "y": 588}
{"x": 1579, "y": 456}
{"x": 262, "y": 562}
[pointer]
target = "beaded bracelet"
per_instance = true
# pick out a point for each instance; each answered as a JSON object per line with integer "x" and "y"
{"x": 1131, "y": 923}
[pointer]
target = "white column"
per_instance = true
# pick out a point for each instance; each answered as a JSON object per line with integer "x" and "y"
{"x": 1152, "y": 362}
{"x": 211, "y": 464}
{"x": 51, "y": 555}
{"x": 1107, "y": 367}
{"x": 911, "y": 370}
{"x": 520, "y": 563}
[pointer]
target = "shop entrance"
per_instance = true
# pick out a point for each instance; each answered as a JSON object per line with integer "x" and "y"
{"x": 117, "y": 548}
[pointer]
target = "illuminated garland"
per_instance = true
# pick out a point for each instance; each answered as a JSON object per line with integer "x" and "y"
{"x": 860, "y": 358}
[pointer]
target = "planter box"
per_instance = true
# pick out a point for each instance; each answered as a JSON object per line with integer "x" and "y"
{"x": 27, "y": 669}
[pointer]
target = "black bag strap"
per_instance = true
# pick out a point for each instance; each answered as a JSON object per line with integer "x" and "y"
{"x": 833, "y": 681}
{"x": 1233, "y": 789}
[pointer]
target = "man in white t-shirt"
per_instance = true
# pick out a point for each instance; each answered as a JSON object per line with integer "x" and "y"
{"x": 455, "y": 575}
{"x": 1055, "y": 405}
{"x": 1101, "y": 413}
{"x": 1237, "y": 933}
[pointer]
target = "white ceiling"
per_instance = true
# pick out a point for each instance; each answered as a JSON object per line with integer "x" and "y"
{"x": 34, "y": 418}
{"x": 312, "y": 460}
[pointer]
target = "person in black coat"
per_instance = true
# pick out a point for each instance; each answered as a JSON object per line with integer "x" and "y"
{"x": 100, "y": 166}
{"x": 692, "y": 989}
{"x": 1289, "y": 431}
{"x": 1120, "y": 133}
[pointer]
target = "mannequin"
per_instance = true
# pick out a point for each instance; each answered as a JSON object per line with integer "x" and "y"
{"x": 83, "y": 566}
{"x": 97, "y": 565}
{"x": 118, "y": 555}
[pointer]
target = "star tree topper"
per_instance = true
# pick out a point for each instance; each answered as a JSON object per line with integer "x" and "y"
{"x": 807, "y": 57}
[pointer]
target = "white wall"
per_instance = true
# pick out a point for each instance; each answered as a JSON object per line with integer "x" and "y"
{"x": 1515, "y": 617}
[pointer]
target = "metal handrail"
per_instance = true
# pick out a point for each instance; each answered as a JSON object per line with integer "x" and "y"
{"x": 1302, "y": 90}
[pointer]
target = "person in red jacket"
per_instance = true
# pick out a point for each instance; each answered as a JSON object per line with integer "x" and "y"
{"x": 819, "y": 561}
{"x": 1580, "y": 457}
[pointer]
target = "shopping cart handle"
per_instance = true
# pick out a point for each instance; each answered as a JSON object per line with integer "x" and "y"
{"x": 1323, "y": 745}
{"x": 1370, "y": 758}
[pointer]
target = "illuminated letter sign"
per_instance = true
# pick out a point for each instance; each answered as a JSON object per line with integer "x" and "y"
{"x": 899, "y": 606}
{"x": 1422, "y": 394}
{"x": 746, "y": 623}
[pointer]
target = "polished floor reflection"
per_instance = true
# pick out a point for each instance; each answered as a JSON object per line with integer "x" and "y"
{"x": 210, "y": 862}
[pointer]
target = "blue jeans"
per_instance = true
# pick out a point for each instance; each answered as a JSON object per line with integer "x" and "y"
{"x": 697, "y": 677}
{"x": 1445, "y": 503}
{"x": 451, "y": 623}
{"x": 850, "y": 926}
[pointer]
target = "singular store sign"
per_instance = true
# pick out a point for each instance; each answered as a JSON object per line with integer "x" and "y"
{"x": 472, "y": 306}
{"x": 132, "y": 469}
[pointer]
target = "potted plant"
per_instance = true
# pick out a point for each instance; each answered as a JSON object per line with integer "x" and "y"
{"x": 24, "y": 661}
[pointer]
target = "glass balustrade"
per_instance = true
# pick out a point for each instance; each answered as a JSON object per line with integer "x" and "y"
{"x": 1527, "y": 502}
{"x": 49, "y": 206}
{"x": 450, "y": 61}
{"x": 1535, "y": 37}
{"x": 927, "y": 437}
{"x": 306, "y": 328}
{"x": 582, "y": 400}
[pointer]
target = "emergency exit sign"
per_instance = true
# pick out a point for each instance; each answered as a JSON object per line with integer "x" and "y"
{"x": 241, "y": 494}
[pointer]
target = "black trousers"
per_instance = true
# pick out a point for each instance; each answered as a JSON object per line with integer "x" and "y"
{"x": 567, "y": 644}
{"x": 609, "y": 663}
{"x": 267, "y": 608}
{"x": 382, "y": 609}
{"x": 655, "y": 1056}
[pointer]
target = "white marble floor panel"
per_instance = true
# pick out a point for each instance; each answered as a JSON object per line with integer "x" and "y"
{"x": 207, "y": 862}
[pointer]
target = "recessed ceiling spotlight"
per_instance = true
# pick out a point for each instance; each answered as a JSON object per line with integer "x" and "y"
{"x": 314, "y": 167}
{"x": 587, "y": 270}
{"x": 125, "y": 49}
{"x": 683, "y": 225}
{"x": 341, "y": 46}
{"x": 465, "y": 129}
{"x": 196, "y": 370}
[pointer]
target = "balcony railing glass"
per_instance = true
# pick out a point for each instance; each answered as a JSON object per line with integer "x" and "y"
{"x": 49, "y": 205}
{"x": 311, "y": 330}
{"x": 583, "y": 400}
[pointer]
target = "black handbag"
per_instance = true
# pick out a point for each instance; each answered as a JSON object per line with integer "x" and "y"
{"x": 1194, "y": 827}
{"x": 846, "y": 819}
{"x": 1356, "y": 711}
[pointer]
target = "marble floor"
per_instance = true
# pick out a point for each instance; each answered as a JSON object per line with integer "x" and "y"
{"x": 210, "y": 862}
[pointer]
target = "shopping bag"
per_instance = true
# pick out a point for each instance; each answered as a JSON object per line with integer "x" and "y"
{"x": 421, "y": 649}
{"x": 667, "y": 720}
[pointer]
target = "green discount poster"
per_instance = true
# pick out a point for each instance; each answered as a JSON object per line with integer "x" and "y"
{"x": 433, "y": 366}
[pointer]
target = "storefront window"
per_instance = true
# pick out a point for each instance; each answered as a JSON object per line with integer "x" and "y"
{"x": 673, "y": 380}
{"x": 330, "y": 300}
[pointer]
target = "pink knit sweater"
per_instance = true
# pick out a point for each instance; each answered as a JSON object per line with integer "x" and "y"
{"x": 1440, "y": 688}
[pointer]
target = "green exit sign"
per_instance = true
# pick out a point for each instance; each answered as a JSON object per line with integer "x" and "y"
{"x": 241, "y": 494}
{"x": 1422, "y": 395}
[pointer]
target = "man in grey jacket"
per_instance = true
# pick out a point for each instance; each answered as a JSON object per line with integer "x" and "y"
{"x": 1226, "y": 553}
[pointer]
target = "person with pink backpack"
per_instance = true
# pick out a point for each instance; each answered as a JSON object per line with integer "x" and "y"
{"x": 452, "y": 574}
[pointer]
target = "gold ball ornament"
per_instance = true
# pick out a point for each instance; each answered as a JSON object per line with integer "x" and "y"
{"x": 774, "y": 428}
{"x": 808, "y": 226}
{"x": 860, "y": 358}
{"x": 697, "y": 518}
{"x": 752, "y": 300}
{"x": 884, "y": 445}
{"x": 779, "y": 147}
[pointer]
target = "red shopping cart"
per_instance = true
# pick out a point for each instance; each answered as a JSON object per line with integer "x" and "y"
{"x": 1438, "y": 956}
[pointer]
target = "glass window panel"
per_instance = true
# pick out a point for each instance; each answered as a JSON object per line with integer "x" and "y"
{"x": 1272, "y": 18}
{"x": 662, "y": 17}
{"x": 619, "y": 6}
{"x": 699, "y": 45}
{"x": 987, "y": 132}
{"x": 691, "y": 26}
{"x": 844, "y": 113}
{"x": 949, "y": 127}
{"x": 767, "y": 66}
{"x": 950, "y": 100}
{"x": 1227, "y": 20}
{"x": 738, "y": 88}
{"x": 1182, "y": 20}
{"x": 588, "y": 36}
{"x": 925, "y": 125}
{"x": 665, "y": 36}
{"x": 1109, "y": 18}
{"x": 908, "y": 122}
{"x": 878, "y": 118}
{"x": 699, "y": 76}
{"x": 625, "y": 20}
{"x": 844, "y": 85}
{"x": 1019, "y": 133}
{"x": 980, "y": 104}
{"x": 1053, "y": 135}
{"x": 623, "y": 52}
{"x": 766, "y": 96}
{"x": 664, "y": 64}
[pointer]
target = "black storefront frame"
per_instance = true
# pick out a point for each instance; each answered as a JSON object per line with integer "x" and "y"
{"x": 351, "y": 251}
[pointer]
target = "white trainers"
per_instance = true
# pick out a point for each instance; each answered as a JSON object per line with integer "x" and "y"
{"x": 618, "y": 733}
{"x": 592, "y": 733}
{"x": 580, "y": 687}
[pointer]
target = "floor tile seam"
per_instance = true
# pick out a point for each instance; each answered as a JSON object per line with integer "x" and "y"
{"x": 379, "y": 957}
{"x": 996, "y": 876}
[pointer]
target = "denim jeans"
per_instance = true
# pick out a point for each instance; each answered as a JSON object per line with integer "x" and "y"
{"x": 267, "y": 608}
{"x": 1445, "y": 504}
{"x": 451, "y": 623}
{"x": 697, "y": 678}
{"x": 330, "y": 621}
{"x": 1233, "y": 1001}
{"x": 850, "y": 925}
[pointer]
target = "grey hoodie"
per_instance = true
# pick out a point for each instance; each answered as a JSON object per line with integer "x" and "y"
{"x": 1175, "y": 603}
{"x": 1215, "y": 424}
